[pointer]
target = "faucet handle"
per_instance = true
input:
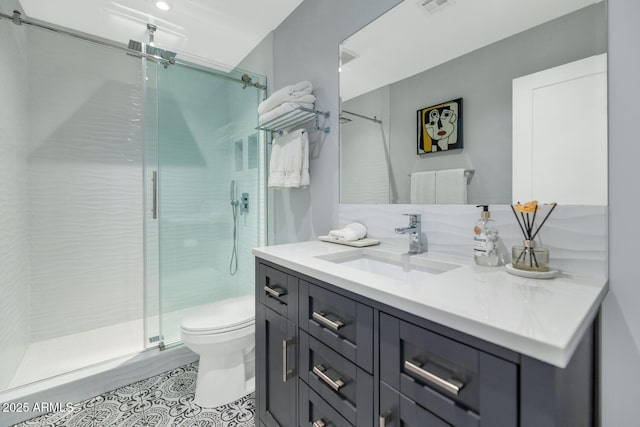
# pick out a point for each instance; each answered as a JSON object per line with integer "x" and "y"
{"x": 414, "y": 218}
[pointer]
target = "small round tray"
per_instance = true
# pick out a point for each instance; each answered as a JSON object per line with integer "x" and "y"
{"x": 531, "y": 274}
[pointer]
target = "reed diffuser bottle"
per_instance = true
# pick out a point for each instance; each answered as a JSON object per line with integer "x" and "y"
{"x": 530, "y": 256}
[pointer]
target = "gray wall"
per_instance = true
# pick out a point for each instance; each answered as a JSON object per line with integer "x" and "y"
{"x": 620, "y": 314}
{"x": 306, "y": 48}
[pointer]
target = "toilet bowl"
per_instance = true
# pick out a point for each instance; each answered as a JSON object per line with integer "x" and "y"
{"x": 223, "y": 335}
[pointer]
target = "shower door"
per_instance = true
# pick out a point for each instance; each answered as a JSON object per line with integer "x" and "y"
{"x": 208, "y": 157}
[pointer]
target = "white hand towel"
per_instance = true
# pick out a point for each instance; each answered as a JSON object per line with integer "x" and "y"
{"x": 289, "y": 161}
{"x": 282, "y": 109}
{"x": 272, "y": 103}
{"x": 451, "y": 187}
{"x": 278, "y": 97}
{"x": 423, "y": 187}
{"x": 350, "y": 233}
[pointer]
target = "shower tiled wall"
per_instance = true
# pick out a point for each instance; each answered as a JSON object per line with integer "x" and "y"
{"x": 14, "y": 265}
{"x": 85, "y": 186}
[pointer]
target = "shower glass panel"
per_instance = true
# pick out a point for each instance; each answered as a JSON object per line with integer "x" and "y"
{"x": 205, "y": 125}
{"x": 71, "y": 191}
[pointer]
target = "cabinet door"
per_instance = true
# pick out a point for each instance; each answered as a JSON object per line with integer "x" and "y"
{"x": 560, "y": 133}
{"x": 276, "y": 368}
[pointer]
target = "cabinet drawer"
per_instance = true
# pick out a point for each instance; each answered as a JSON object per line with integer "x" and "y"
{"x": 458, "y": 383}
{"x": 315, "y": 412}
{"x": 341, "y": 323}
{"x": 345, "y": 386}
{"x": 278, "y": 291}
{"x": 427, "y": 367}
{"x": 398, "y": 411}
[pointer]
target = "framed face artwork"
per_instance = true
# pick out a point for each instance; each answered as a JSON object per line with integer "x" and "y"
{"x": 440, "y": 127}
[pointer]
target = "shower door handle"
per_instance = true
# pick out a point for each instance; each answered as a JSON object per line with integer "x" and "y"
{"x": 154, "y": 203}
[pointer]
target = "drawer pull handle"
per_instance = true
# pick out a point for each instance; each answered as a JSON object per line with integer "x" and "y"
{"x": 334, "y": 384}
{"x": 286, "y": 374}
{"x": 384, "y": 419}
{"x": 333, "y": 324}
{"x": 321, "y": 423}
{"x": 279, "y": 292}
{"x": 451, "y": 385}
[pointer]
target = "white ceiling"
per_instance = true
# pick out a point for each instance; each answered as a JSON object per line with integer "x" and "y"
{"x": 407, "y": 40}
{"x": 214, "y": 33}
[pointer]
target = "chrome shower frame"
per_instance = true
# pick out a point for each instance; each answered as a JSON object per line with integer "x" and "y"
{"x": 134, "y": 48}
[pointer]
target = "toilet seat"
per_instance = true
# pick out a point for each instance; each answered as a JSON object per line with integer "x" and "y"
{"x": 220, "y": 317}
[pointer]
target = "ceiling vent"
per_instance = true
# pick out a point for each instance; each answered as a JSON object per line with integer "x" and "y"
{"x": 434, "y": 6}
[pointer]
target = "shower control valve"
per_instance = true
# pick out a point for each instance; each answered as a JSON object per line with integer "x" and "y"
{"x": 244, "y": 203}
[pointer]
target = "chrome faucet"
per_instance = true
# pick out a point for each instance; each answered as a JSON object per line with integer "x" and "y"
{"x": 414, "y": 230}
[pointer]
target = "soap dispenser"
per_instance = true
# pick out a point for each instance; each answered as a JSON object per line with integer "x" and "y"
{"x": 486, "y": 250}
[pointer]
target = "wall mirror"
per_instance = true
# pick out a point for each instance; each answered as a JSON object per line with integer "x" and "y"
{"x": 501, "y": 57}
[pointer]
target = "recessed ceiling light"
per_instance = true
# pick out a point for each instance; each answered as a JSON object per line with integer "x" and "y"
{"x": 163, "y": 5}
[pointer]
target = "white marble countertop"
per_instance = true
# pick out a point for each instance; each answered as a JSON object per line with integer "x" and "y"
{"x": 543, "y": 319}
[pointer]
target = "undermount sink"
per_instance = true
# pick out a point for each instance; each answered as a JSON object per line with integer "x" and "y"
{"x": 394, "y": 265}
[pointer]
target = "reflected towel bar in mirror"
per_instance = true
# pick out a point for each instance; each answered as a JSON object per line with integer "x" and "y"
{"x": 467, "y": 172}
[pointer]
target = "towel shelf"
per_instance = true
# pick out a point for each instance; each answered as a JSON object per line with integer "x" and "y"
{"x": 294, "y": 118}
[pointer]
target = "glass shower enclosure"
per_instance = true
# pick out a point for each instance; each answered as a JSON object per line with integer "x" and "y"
{"x": 209, "y": 206}
{"x": 130, "y": 191}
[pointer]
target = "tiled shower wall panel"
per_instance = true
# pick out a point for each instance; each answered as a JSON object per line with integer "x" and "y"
{"x": 85, "y": 186}
{"x": 14, "y": 257}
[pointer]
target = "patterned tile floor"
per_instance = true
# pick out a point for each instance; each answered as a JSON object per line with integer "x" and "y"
{"x": 163, "y": 400}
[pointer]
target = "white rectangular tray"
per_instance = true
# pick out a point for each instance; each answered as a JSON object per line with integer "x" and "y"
{"x": 356, "y": 243}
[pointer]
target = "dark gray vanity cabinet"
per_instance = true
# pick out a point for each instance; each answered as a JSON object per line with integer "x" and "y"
{"x": 329, "y": 357}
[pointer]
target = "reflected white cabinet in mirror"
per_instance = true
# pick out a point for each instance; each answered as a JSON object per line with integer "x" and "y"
{"x": 410, "y": 58}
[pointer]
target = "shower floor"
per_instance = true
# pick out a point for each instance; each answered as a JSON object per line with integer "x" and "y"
{"x": 60, "y": 355}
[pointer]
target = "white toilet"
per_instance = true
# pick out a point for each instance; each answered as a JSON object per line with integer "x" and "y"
{"x": 223, "y": 334}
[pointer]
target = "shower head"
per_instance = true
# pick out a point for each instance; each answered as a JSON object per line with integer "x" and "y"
{"x": 167, "y": 56}
{"x": 344, "y": 120}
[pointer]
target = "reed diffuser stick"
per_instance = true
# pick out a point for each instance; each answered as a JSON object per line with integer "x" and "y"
{"x": 544, "y": 220}
{"x": 518, "y": 219}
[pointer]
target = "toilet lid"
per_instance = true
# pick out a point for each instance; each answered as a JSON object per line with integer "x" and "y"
{"x": 221, "y": 316}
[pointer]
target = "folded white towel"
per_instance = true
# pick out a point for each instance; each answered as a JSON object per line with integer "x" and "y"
{"x": 272, "y": 103}
{"x": 350, "y": 233}
{"x": 423, "y": 187}
{"x": 282, "y": 109}
{"x": 278, "y": 97}
{"x": 451, "y": 187}
{"x": 289, "y": 161}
